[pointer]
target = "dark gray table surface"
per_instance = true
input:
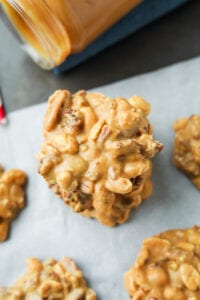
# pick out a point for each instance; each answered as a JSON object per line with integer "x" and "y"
{"x": 173, "y": 38}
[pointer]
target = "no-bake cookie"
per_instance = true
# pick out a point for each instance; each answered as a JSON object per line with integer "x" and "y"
{"x": 96, "y": 154}
{"x": 12, "y": 198}
{"x": 187, "y": 147}
{"x": 50, "y": 280}
{"x": 167, "y": 267}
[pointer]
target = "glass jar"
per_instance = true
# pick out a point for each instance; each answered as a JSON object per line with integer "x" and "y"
{"x": 51, "y": 30}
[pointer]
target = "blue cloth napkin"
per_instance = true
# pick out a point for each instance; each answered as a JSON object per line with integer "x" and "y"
{"x": 143, "y": 14}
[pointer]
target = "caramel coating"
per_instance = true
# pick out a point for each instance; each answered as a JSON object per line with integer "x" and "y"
{"x": 167, "y": 267}
{"x": 50, "y": 280}
{"x": 187, "y": 147}
{"x": 12, "y": 198}
{"x": 96, "y": 154}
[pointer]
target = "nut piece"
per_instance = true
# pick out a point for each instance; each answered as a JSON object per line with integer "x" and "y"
{"x": 96, "y": 154}
{"x": 167, "y": 267}
{"x": 187, "y": 147}
{"x": 50, "y": 280}
{"x": 12, "y": 198}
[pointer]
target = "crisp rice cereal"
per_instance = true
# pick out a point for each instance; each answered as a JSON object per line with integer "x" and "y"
{"x": 50, "y": 280}
{"x": 96, "y": 153}
{"x": 187, "y": 147}
{"x": 12, "y": 198}
{"x": 167, "y": 267}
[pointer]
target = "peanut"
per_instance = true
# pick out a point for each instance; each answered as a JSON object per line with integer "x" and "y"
{"x": 89, "y": 117}
{"x": 87, "y": 187}
{"x": 65, "y": 143}
{"x": 140, "y": 104}
{"x": 64, "y": 179}
{"x": 180, "y": 124}
{"x": 94, "y": 133}
{"x": 55, "y": 103}
{"x": 120, "y": 185}
{"x": 136, "y": 168}
{"x": 190, "y": 277}
{"x": 156, "y": 275}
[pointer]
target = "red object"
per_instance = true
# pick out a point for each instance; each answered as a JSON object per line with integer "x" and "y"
{"x": 3, "y": 119}
{"x": 2, "y": 114}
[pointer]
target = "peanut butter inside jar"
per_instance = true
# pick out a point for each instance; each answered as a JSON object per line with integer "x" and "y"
{"x": 52, "y": 30}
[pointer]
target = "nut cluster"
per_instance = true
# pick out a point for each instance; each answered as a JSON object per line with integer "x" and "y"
{"x": 187, "y": 147}
{"x": 12, "y": 198}
{"x": 167, "y": 267}
{"x": 50, "y": 280}
{"x": 96, "y": 154}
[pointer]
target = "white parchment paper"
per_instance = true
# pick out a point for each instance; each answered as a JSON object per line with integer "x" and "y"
{"x": 47, "y": 228}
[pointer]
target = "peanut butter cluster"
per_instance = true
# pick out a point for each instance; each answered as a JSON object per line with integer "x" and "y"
{"x": 12, "y": 198}
{"x": 96, "y": 154}
{"x": 167, "y": 267}
{"x": 50, "y": 280}
{"x": 187, "y": 147}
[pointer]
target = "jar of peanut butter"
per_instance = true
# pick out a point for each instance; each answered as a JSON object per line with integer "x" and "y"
{"x": 51, "y": 30}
